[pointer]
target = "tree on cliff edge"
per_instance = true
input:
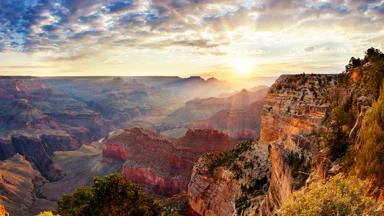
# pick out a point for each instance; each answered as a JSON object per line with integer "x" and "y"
{"x": 112, "y": 195}
{"x": 370, "y": 158}
{"x": 339, "y": 196}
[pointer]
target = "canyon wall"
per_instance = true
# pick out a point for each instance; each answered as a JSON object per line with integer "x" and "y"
{"x": 230, "y": 183}
{"x": 162, "y": 165}
{"x": 293, "y": 115}
{"x": 18, "y": 181}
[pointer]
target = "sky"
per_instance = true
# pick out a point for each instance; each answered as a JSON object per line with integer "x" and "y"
{"x": 227, "y": 39}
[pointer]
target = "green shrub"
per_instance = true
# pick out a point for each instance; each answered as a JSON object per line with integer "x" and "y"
{"x": 112, "y": 195}
{"x": 370, "y": 158}
{"x": 340, "y": 196}
{"x": 342, "y": 120}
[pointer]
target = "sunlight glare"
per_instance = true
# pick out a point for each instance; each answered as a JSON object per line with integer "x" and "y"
{"x": 242, "y": 66}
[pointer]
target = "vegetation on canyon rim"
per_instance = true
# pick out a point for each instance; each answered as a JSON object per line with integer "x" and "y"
{"x": 370, "y": 159}
{"x": 338, "y": 196}
{"x": 360, "y": 152}
{"x": 112, "y": 195}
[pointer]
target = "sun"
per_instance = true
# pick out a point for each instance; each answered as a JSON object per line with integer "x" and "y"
{"x": 242, "y": 66}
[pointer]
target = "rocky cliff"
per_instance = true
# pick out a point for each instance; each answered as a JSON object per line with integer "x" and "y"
{"x": 18, "y": 181}
{"x": 294, "y": 111}
{"x": 230, "y": 183}
{"x": 293, "y": 115}
{"x": 160, "y": 164}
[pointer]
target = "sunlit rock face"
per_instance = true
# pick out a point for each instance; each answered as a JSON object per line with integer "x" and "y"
{"x": 18, "y": 182}
{"x": 215, "y": 194}
{"x": 232, "y": 183}
{"x": 294, "y": 111}
{"x": 160, "y": 164}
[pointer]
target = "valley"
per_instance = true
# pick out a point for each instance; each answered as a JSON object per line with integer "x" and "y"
{"x": 66, "y": 131}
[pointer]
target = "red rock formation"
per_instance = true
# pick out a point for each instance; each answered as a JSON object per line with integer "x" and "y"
{"x": 162, "y": 165}
{"x": 152, "y": 181}
{"x": 115, "y": 151}
{"x": 205, "y": 140}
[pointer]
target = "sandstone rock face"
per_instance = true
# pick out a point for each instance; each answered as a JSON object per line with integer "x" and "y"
{"x": 160, "y": 164}
{"x": 231, "y": 183}
{"x": 18, "y": 181}
{"x": 295, "y": 106}
{"x": 154, "y": 182}
{"x": 294, "y": 111}
{"x": 214, "y": 195}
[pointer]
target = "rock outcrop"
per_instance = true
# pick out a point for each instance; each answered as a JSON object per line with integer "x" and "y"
{"x": 160, "y": 164}
{"x": 294, "y": 112}
{"x": 18, "y": 181}
{"x": 230, "y": 183}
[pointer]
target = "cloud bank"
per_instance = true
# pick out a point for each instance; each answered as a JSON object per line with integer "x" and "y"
{"x": 71, "y": 30}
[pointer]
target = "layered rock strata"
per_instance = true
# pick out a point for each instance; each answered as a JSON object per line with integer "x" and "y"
{"x": 160, "y": 164}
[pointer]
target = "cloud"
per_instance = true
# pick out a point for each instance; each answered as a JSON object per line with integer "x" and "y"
{"x": 54, "y": 26}
{"x": 118, "y": 6}
{"x": 309, "y": 49}
{"x": 70, "y": 57}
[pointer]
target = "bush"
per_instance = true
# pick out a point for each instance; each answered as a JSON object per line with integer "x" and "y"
{"x": 370, "y": 158}
{"x": 342, "y": 121}
{"x": 339, "y": 196}
{"x": 112, "y": 196}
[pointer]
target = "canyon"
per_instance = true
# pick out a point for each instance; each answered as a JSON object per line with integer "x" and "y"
{"x": 241, "y": 153}
{"x": 62, "y": 132}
